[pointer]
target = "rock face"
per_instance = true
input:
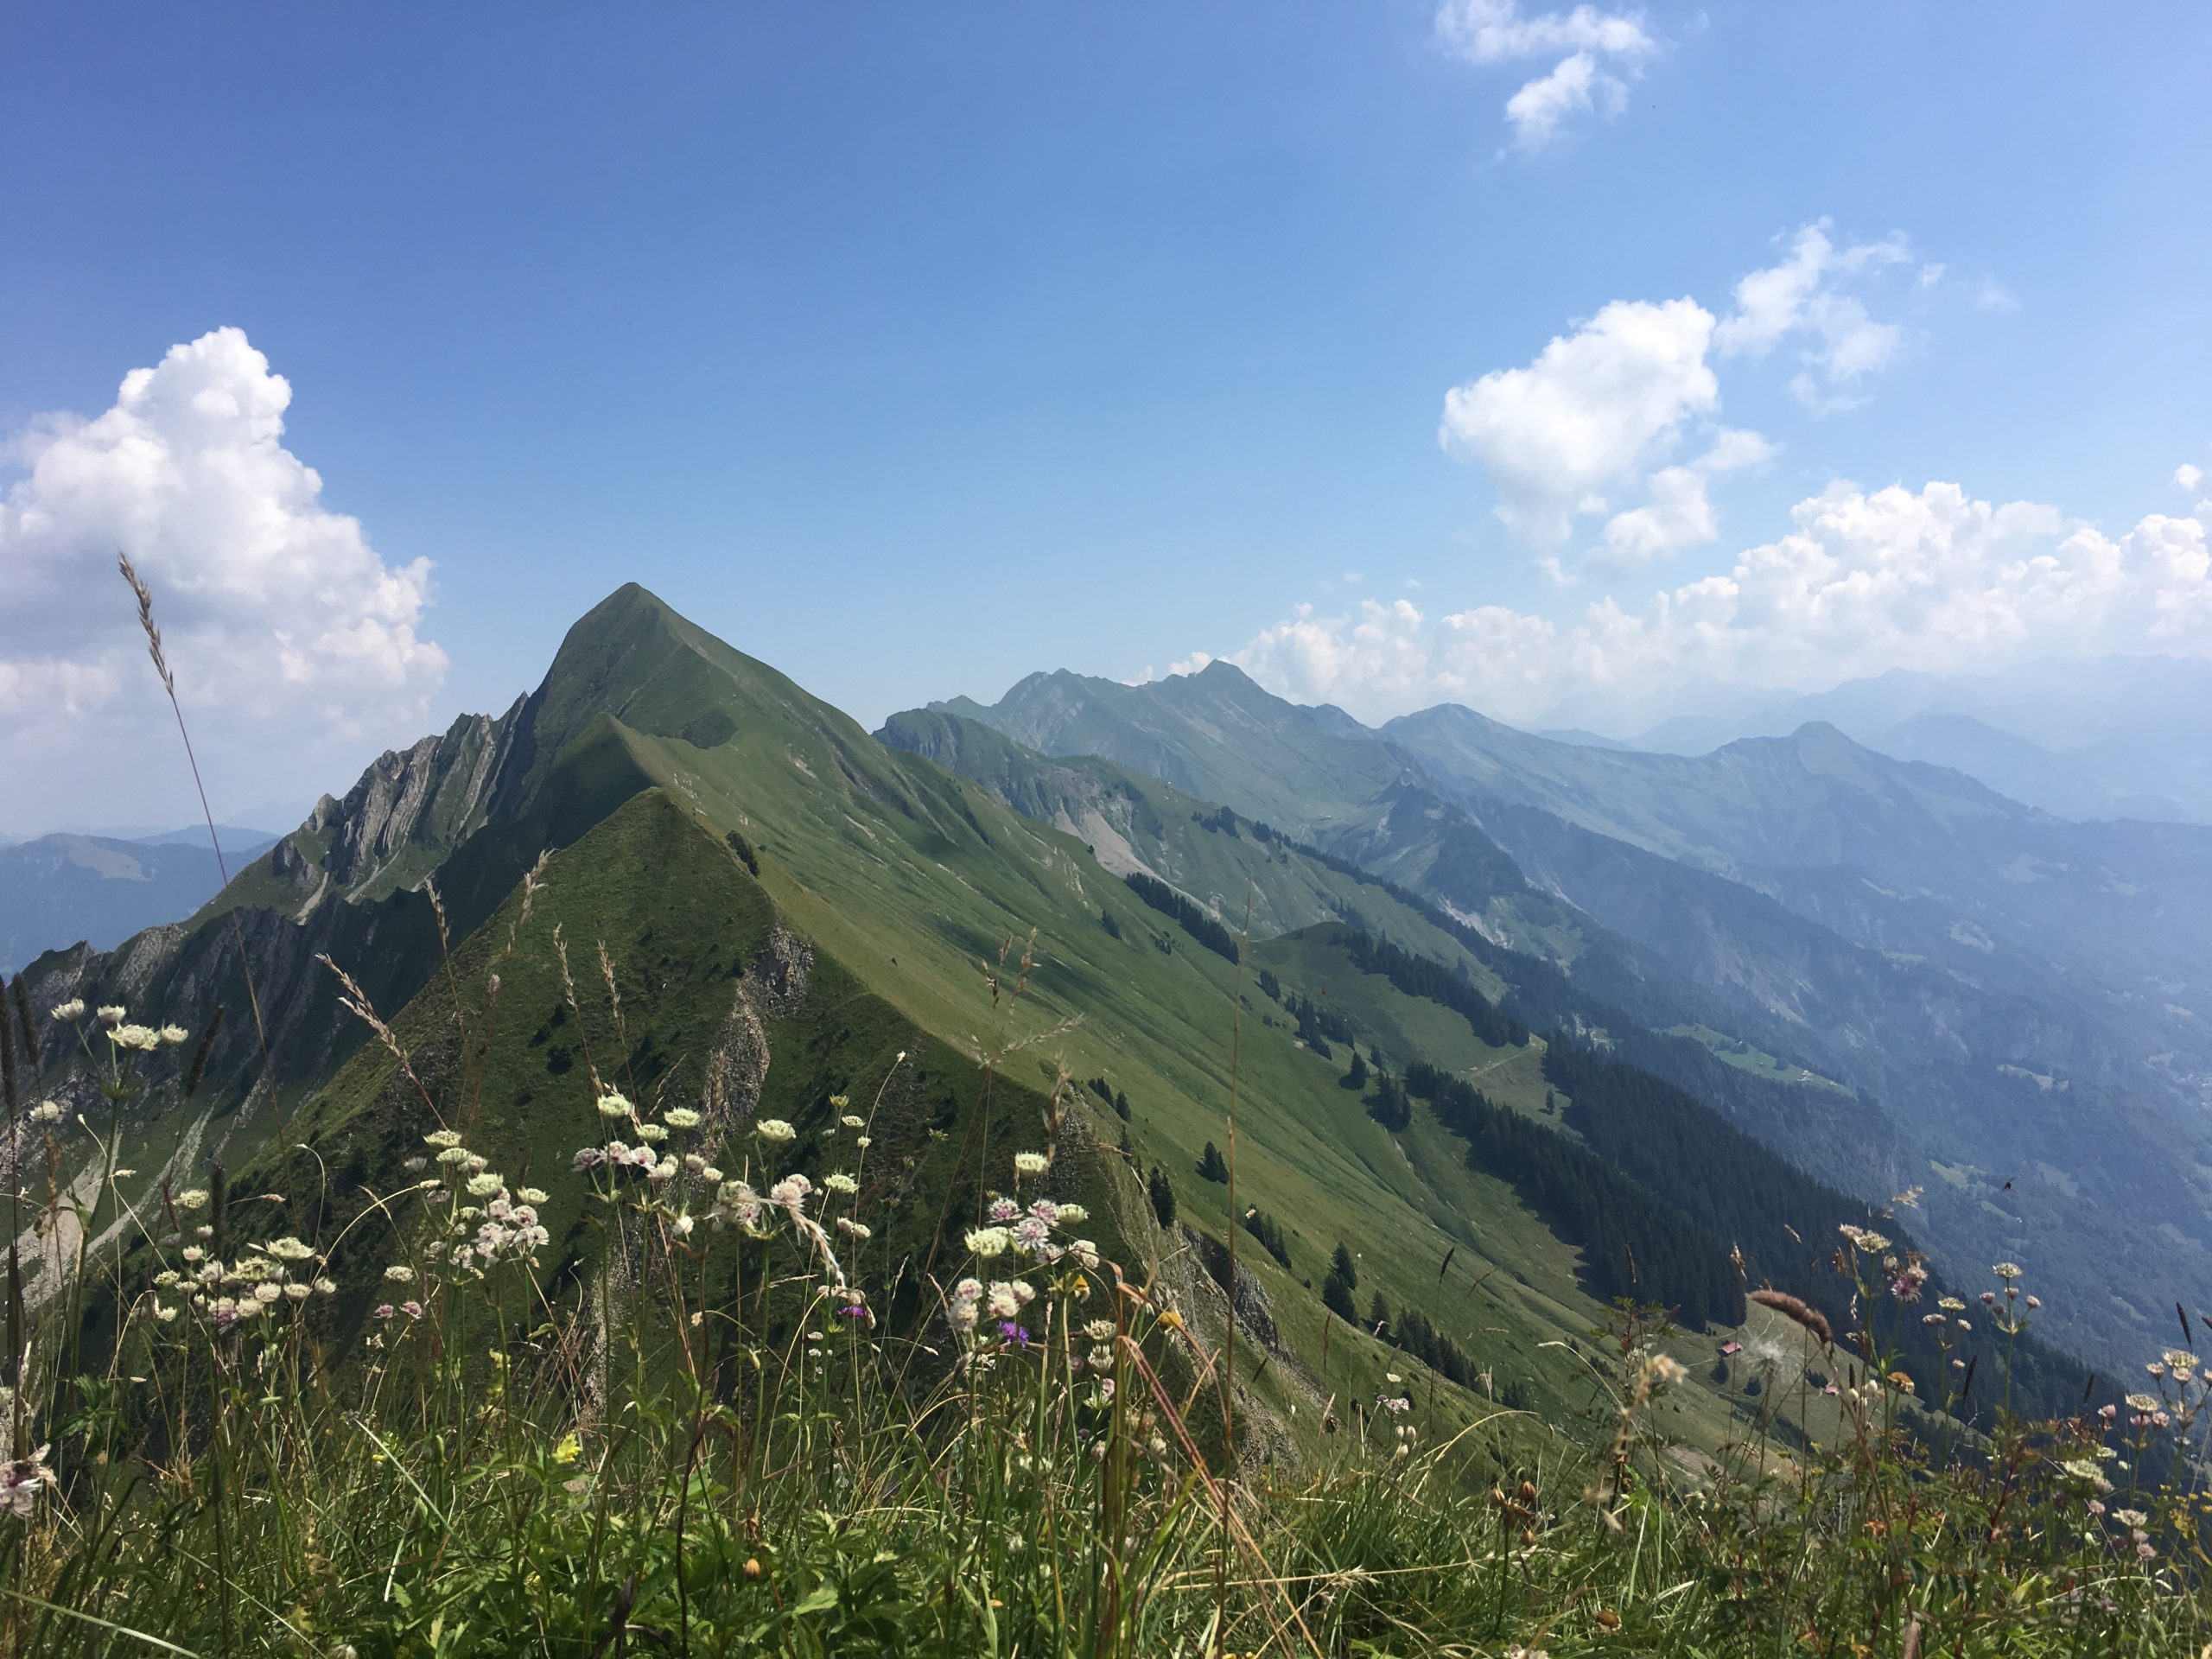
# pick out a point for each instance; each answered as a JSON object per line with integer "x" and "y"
{"x": 411, "y": 807}
{"x": 341, "y": 885}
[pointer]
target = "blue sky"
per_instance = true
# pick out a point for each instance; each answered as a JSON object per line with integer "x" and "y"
{"x": 914, "y": 348}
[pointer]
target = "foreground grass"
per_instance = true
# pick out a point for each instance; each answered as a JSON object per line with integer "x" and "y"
{"x": 712, "y": 1443}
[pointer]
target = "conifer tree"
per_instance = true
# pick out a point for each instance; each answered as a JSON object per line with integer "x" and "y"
{"x": 1211, "y": 1165}
{"x": 1162, "y": 1196}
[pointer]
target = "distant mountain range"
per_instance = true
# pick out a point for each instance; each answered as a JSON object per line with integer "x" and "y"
{"x": 60, "y": 888}
{"x": 2108, "y": 738}
{"x": 2029, "y": 999}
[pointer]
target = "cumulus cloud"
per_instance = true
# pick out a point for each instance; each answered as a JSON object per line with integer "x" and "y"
{"x": 1588, "y": 414}
{"x": 1599, "y": 53}
{"x": 1806, "y": 298}
{"x": 1863, "y": 580}
{"x": 1601, "y": 412}
{"x": 2188, "y": 475}
{"x": 281, "y": 620}
{"x": 1678, "y": 513}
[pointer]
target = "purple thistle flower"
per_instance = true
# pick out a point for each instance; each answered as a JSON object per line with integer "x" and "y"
{"x": 1014, "y": 1333}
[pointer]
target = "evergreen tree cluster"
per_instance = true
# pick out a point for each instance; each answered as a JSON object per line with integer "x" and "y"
{"x": 1412, "y": 1333}
{"x": 1212, "y": 1166}
{"x": 1162, "y": 1195}
{"x": 1269, "y": 1231}
{"x": 1221, "y": 822}
{"x": 1425, "y": 977}
{"x": 1785, "y": 1221}
{"x": 1113, "y": 1096}
{"x": 1337, "y": 1288}
{"x": 746, "y": 855}
{"x": 1316, "y": 1027}
{"x": 1634, "y": 1243}
{"x": 1189, "y": 916}
{"x": 1392, "y": 1107}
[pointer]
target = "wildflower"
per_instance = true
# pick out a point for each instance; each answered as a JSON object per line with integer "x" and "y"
{"x": 791, "y": 1193}
{"x": 1031, "y": 1234}
{"x": 709, "y": 1174}
{"x": 288, "y": 1249}
{"x": 412, "y": 1310}
{"x": 1070, "y": 1215}
{"x": 2006, "y": 1270}
{"x": 2143, "y": 1403}
{"x": 296, "y": 1293}
{"x": 533, "y": 1195}
{"x": 1029, "y": 1163}
{"x": 1017, "y": 1336}
{"x": 844, "y": 1186}
{"x": 567, "y": 1448}
{"x": 399, "y": 1273}
{"x": 853, "y": 1122}
{"x": 2130, "y": 1518}
{"x": 863, "y": 1142}
{"x": 988, "y": 1241}
{"x": 680, "y": 1117}
{"x": 775, "y": 1131}
{"x": 484, "y": 1186}
{"x": 665, "y": 1171}
{"x": 682, "y": 1226}
{"x": 1664, "y": 1370}
{"x": 453, "y": 1157}
{"x": 267, "y": 1291}
{"x": 655, "y": 1132}
{"x": 441, "y": 1139}
{"x": 47, "y": 1111}
{"x": 386, "y": 1310}
{"x": 144, "y": 1039}
{"x": 614, "y": 1105}
{"x": 193, "y": 1198}
{"x": 1003, "y": 1210}
{"x": 587, "y": 1158}
{"x": 174, "y": 1034}
{"x": 73, "y": 1009}
{"x": 1085, "y": 1253}
{"x": 113, "y": 1015}
{"x": 20, "y": 1481}
{"x": 847, "y": 1225}
{"x": 1951, "y": 1305}
{"x": 1002, "y": 1302}
{"x": 1872, "y": 1244}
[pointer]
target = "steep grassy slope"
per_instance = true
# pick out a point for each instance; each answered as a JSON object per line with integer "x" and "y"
{"x": 2075, "y": 1169}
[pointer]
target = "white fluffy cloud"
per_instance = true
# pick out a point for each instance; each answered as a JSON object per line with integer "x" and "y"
{"x": 1678, "y": 514}
{"x": 1588, "y": 414}
{"x": 2188, "y": 475}
{"x": 280, "y": 619}
{"x": 1807, "y": 299}
{"x": 1597, "y": 51}
{"x": 1864, "y": 581}
{"x": 1601, "y": 412}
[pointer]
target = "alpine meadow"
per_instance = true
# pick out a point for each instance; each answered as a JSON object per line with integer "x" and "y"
{"x": 1509, "y": 954}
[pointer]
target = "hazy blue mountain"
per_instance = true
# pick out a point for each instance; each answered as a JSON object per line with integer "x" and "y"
{"x": 2031, "y": 997}
{"x": 60, "y": 889}
{"x": 2114, "y": 737}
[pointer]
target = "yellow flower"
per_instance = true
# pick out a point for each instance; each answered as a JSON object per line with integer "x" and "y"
{"x": 569, "y": 1449}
